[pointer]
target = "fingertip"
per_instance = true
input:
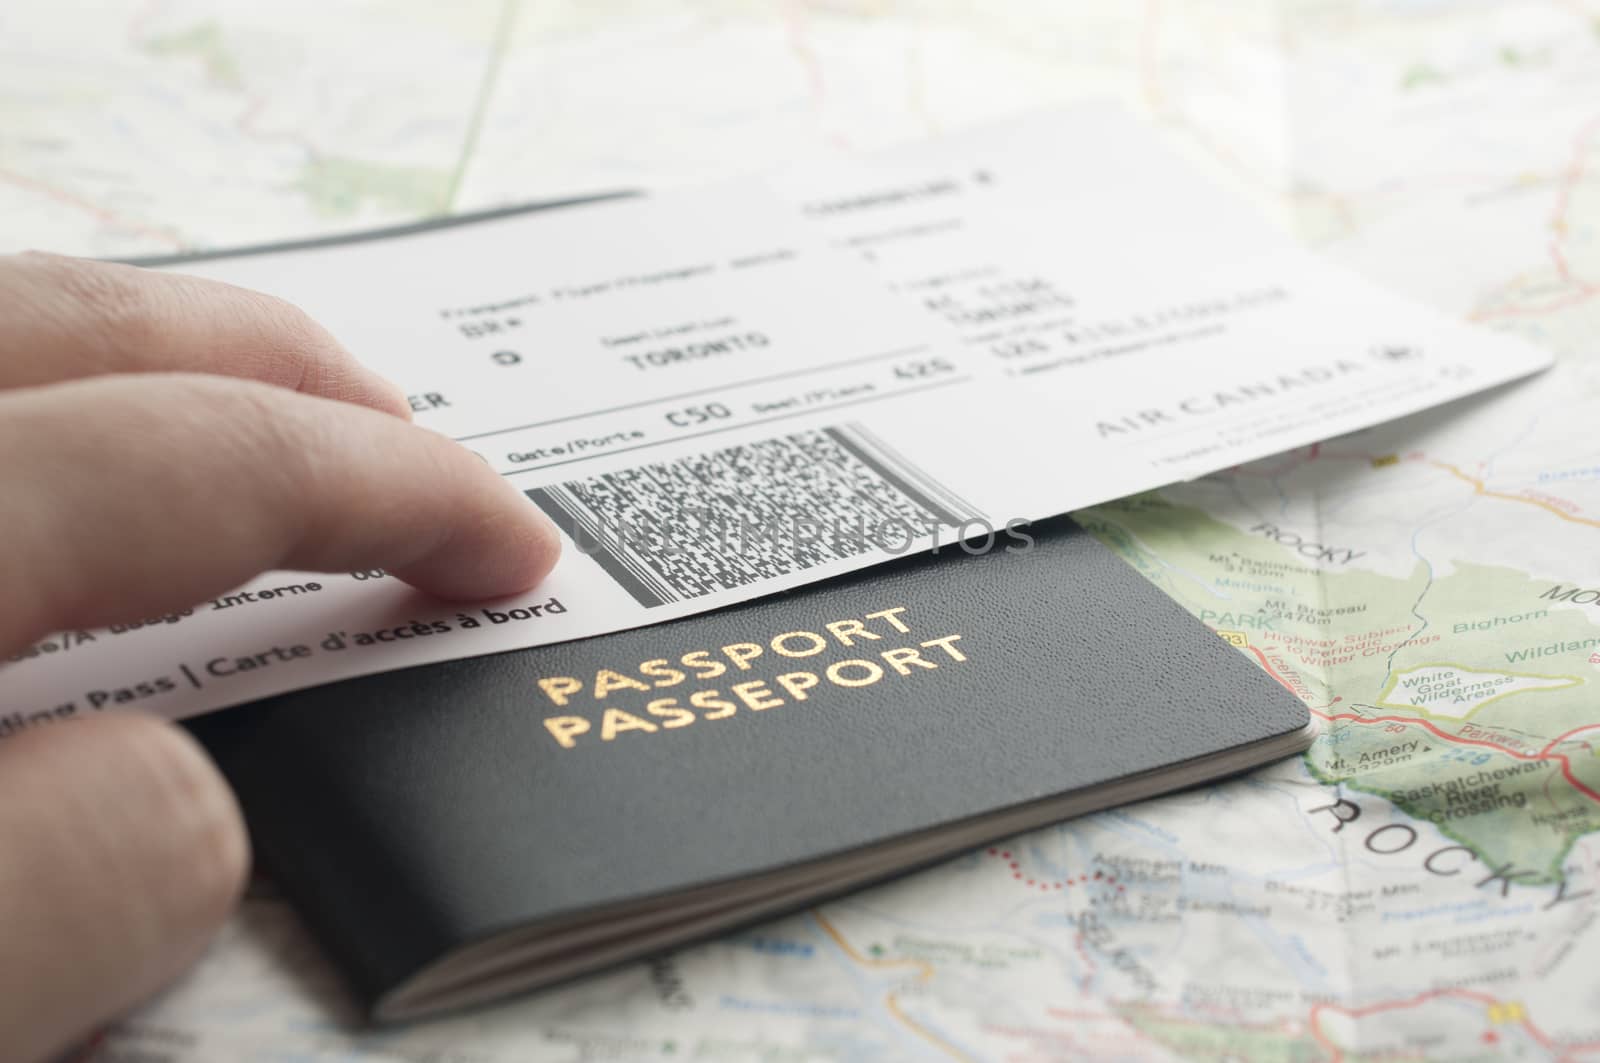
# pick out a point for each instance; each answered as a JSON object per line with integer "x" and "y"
{"x": 508, "y": 549}
{"x": 259, "y": 336}
{"x": 541, "y": 549}
{"x": 323, "y": 364}
{"x": 389, "y": 397}
{"x": 401, "y": 401}
{"x": 336, "y": 487}
{"x": 531, "y": 552}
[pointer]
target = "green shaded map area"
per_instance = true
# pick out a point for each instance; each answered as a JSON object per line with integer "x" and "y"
{"x": 1500, "y": 665}
{"x": 1210, "y": 1041}
{"x": 204, "y": 43}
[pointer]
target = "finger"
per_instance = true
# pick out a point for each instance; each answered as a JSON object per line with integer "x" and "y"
{"x": 123, "y": 852}
{"x": 123, "y": 496}
{"x": 68, "y": 318}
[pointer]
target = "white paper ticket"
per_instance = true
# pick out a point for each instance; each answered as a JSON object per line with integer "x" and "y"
{"x": 721, "y": 393}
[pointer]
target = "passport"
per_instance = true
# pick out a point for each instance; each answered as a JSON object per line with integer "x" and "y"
{"x": 459, "y": 831}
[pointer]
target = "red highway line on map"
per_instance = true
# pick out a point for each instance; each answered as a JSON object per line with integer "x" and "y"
{"x": 1337, "y": 1054}
{"x": 1569, "y": 183}
{"x": 1273, "y": 672}
{"x": 1547, "y": 753}
{"x": 1583, "y": 295}
{"x": 1564, "y": 267}
{"x": 1574, "y": 176}
{"x": 106, "y": 216}
{"x": 1445, "y": 736}
{"x": 797, "y": 35}
{"x": 1556, "y": 741}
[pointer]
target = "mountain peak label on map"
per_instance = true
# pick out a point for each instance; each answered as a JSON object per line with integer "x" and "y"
{"x": 720, "y": 393}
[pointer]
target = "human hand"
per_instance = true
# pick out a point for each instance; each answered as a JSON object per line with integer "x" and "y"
{"x": 162, "y": 440}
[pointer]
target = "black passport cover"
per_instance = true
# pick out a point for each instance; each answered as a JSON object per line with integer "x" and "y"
{"x": 412, "y": 813}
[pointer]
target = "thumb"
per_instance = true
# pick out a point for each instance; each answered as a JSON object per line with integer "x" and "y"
{"x": 121, "y": 851}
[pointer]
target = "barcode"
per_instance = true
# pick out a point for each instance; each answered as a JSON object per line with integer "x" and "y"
{"x": 676, "y": 530}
